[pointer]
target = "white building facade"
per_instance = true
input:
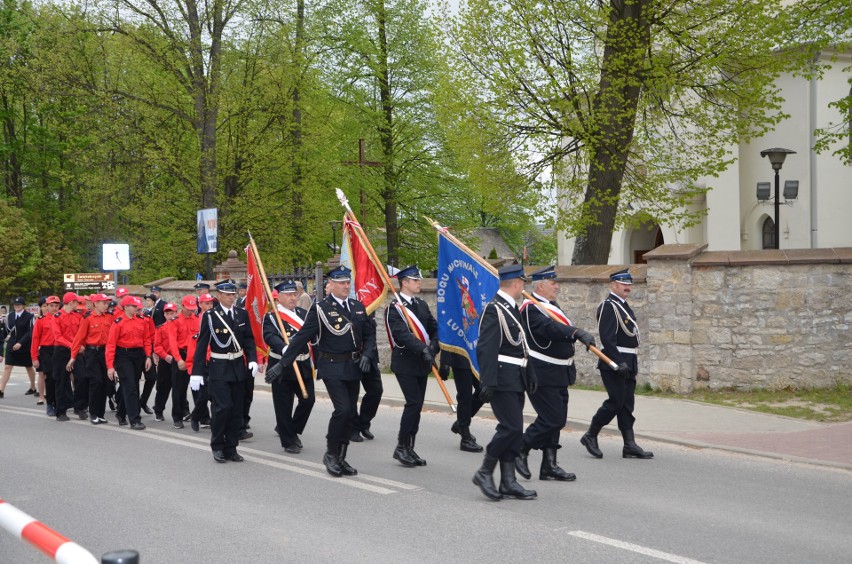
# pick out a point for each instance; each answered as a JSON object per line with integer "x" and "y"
{"x": 820, "y": 217}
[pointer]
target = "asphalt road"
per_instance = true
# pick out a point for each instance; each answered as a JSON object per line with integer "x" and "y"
{"x": 160, "y": 492}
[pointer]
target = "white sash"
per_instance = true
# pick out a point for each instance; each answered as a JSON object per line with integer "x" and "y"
{"x": 419, "y": 330}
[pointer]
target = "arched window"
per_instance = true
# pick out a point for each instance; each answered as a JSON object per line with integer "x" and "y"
{"x": 769, "y": 234}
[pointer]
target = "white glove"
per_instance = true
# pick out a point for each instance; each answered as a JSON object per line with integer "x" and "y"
{"x": 253, "y": 367}
{"x": 195, "y": 383}
{"x": 284, "y": 350}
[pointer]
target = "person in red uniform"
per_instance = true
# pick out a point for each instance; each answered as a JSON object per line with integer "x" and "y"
{"x": 41, "y": 351}
{"x": 151, "y": 374}
{"x": 165, "y": 362}
{"x": 65, "y": 325}
{"x": 128, "y": 353}
{"x": 180, "y": 332}
{"x": 91, "y": 340}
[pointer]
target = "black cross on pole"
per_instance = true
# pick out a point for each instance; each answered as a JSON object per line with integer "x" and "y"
{"x": 362, "y": 162}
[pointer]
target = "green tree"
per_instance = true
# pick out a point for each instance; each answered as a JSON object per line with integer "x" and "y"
{"x": 626, "y": 101}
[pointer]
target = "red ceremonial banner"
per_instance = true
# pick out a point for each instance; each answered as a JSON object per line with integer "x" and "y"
{"x": 256, "y": 303}
{"x": 367, "y": 283}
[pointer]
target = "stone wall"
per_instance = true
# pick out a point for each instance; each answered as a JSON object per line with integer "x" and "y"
{"x": 743, "y": 319}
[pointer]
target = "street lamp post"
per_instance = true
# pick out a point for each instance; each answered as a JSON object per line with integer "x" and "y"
{"x": 776, "y": 157}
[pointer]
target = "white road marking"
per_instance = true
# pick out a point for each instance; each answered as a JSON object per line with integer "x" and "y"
{"x": 634, "y": 548}
{"x": 281, "y": 462}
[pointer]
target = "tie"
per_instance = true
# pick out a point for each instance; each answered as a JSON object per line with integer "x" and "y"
{"x": 230, "y": 315}
{"x": 346, "y": 305}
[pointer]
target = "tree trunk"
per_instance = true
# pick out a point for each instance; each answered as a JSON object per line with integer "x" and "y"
{"x": 298, "y": 230}
{"x": 390, "y": 191}
{"x": 627, "y": 42}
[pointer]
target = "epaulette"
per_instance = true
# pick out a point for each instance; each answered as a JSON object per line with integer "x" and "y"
{"x": 119, "y": 318}
{"x": 195, "y": 337}
{"x": 87, "y": 314}
{"x": 57, "y": 314}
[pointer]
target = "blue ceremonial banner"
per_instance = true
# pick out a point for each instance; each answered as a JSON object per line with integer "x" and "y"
{"x": 208, "y": 230}
{"x": 465, "y": 285}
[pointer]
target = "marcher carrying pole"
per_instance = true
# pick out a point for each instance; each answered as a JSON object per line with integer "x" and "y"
{"x": 374, "y": 258}
{"x": 274, "y": 305}
{"x": 597, "y": 352}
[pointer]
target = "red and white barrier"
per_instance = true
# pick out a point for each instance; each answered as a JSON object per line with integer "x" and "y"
{"x": 42, "y": 537}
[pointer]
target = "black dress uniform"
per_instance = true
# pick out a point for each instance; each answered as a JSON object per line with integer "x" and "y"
{"x": 228, "y": 336}
{"x": 619, "y": 335}
{"x": 289, "y": 423}
{"x": 551, "y": 352}
{"x": 19, "y": 331}
{"x": 157, "y": 313}
{"x": 504, "y": 374}
{"x": 371, "y": 380}
{"x": 411, "y": 362}
{"x": 343, "y": 333}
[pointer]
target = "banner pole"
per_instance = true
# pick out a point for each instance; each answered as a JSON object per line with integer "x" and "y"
{"x": 275, "y": 309}
{"x": 374, "y": 258}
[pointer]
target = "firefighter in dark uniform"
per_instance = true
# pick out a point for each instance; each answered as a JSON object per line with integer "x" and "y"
{"x": 19, "y": 327}
{"x": 226, "y": 332}
{"x": 413, "y": 353}
{"x": 505, "y": 374}
{"x": 157, "y": 313}
{"x": 551, "y": 352}
{"x": 345, "y": 338}
{"x": 619, "y": 335}
{"x": 371, "y": 380}
{"x": 289, "y": 423}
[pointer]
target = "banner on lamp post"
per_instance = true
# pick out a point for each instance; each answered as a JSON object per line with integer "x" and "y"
{"x": 208, "y": 230}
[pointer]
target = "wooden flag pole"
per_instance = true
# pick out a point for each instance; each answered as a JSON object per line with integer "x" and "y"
{"x": 275, "y": 309}
{"x": 596, "y": 351}
{"x": 374, "y": 258}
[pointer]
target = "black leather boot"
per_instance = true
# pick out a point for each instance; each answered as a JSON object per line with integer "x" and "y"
{"x": 522, "y": 462}
{"x": 550, "y": 470}
{"x": 417, "y": 460}
{"x": 344, "y": 466}
{"x": 402, "y": 453}
{"x": 484, "y": 478}
{"x": 631, "y": 449}
{"x": 468, "y": 442}
{"x": 509, "y": 486}
{"x": 459, "y": 430}
{"x": 590, "y": 441}
{"x": 332, "y": 461}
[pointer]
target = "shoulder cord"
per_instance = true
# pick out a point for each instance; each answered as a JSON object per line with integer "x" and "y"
{"x": 347, "y": 327}
{"x": 527, "y": 314}
{"x": 615, "y": 310}
{"x": 215, "y": 338}
{"x": 521, "y": 340}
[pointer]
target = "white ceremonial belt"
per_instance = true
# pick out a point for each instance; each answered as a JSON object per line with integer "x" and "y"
{"x": 627, "y": 350}
{"x": 550, "y": 359}
{"x": 300, "y": 358}
{"x": 511, "y": 360}
{"x": 227, "y": 356}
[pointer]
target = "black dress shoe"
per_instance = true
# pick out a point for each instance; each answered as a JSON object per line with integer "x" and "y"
{"x": 194, "y": 424}
{"x": 219, "y": 456}
{"x": 30, "y": 392}
{"x": 121, "y": 420}
{"x": 332, "y": 464}
{"x": 147, "y": 410}
{"x": 367, "y": 434}
{"x": 299, "y": 442}
{"x": 356, "y": 437}
{"x": 62, "y": 417}
{"x": 137, "y": 426}
{"x": 178, "y": 424}
{"x": 235, "y": 457}
{"x": 245, "y": 436}
{"x": 293, "y": 449}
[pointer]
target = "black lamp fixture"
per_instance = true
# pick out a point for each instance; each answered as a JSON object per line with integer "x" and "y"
{"x": 777, "y": 156}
